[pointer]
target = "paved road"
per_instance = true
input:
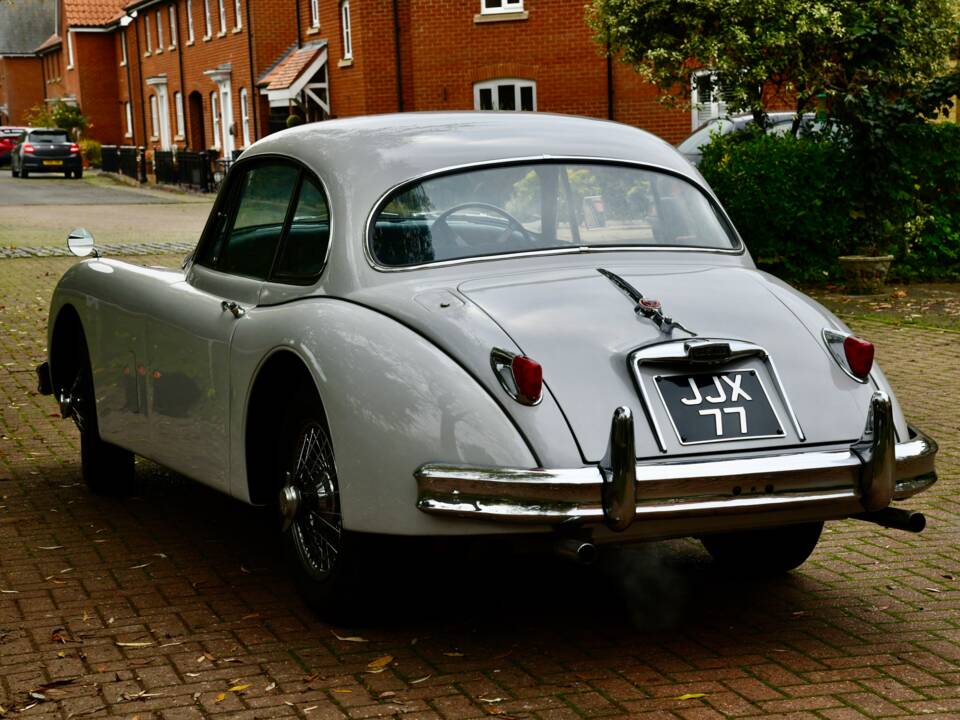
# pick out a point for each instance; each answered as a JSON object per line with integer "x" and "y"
{"x": 172, "y": 604}
{"x": 40, "y": 211}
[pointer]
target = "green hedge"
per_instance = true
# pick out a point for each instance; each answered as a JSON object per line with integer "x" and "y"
{"x": 795, "y": 201}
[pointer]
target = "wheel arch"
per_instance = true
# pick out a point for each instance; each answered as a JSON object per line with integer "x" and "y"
{"x": 282, "y": 374}
{"x": 67, "y": 331}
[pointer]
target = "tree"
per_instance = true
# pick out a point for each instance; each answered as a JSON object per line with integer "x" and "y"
{"x": 59, "y": 115}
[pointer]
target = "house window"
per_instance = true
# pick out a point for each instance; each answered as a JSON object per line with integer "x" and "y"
{"x": 315, "y": 13}
{"x": 238, "y": 19}
{"x": 223, "y": 17}
{"x": 173, "y": 26}
{"x": 244, "y": 117}
{"x": 706, "y": 98}
{"x": 506, "y": 94}
{"x": 345, "y": 26}
{"x": 123, "y": 47}
{"x": 148, "y": 34}
{"x": 159, "y": 32}
{"x": 492, "y": 7}
{"x": 215, "y": 115}
{"x": 69, "y": 49}
{"x": 189, "y": 21}
{"x": 208, "y": 23}
{"x": 129, "y": 114}
{"x": 178, "y": 102}
{"x": 154, "y": 117}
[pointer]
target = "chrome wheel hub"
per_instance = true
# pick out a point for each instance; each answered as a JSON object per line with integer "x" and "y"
{"x": 289, "y": 505}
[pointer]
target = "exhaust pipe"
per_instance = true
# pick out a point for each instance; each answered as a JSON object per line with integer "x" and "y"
{"x": 580, "y": 551}
{"x": 896, "y": 518}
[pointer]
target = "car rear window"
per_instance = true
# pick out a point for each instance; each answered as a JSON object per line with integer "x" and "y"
{"x": 543, "y": 206}
{"x": 49, "y": 136}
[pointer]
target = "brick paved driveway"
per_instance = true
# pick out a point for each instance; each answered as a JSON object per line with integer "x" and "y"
{"x": 171, "y": 603}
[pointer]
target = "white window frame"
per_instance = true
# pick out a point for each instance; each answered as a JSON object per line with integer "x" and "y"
{"x": 493, "y": 85}
{"x": 154, "y": 117}
{"x": 346, "y": 29}
{"x": 123, "y": 47}
{"x": 506, "y": 6}
{"x": 70, "y": 56}
{"x": 159, "y": 31}
{"x": 215, "y": 117}
{"x": 238, "y": 20}
{"x": 223, "y": 17}
{"x": 173, "y": 26}
{"x": 128, "y": 111}
{"x": 190, "y": 35}
{"x": 315, "y": 13}
{"x": 711, "y": 108}
{"x": 178, "y": 106}
{"x": 208, "y": 21}
{"x": 245, "y": 116}
{"x": 147, "y": 33}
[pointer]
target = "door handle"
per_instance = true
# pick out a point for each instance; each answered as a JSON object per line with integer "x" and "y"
{"x": 235, "y": 308}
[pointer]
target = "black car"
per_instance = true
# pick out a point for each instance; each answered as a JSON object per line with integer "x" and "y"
{"x": 46, "y": 151}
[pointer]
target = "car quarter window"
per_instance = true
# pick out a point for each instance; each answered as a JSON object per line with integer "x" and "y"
{"x": 304, "y": 248}
{"x": 246, "y": 241}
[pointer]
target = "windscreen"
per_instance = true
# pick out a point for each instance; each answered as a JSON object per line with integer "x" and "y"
{"x": 49, "y": 136}
{"x": 543, "y": 206}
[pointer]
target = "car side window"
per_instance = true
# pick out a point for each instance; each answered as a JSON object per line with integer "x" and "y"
{"x": 247, "y": 243}
{"x": 304, "y": 249}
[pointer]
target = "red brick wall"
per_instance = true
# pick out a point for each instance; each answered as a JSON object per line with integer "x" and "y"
{"x": 21, "y": 87}
{"x": 96, "y": 84}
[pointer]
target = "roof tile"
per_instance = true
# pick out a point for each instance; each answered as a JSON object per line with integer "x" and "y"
{"x": 92, "y": 13}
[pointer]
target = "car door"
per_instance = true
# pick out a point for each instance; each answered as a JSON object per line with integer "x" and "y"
{"x": 188, "y": 340}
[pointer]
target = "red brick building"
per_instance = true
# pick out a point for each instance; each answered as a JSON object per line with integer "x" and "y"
{"x": 23, "y": 26}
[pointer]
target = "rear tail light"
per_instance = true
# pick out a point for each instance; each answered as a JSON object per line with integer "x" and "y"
{"x": 520, "y": 376}
{"x": 74, "y": 149}
{"x": 854, "y": 355}
{"x": 28, "y": 149}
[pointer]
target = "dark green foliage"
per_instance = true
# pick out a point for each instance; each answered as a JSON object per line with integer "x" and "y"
{"x": 799, "y": 202}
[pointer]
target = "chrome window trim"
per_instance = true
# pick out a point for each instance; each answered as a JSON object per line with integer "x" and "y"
{"x": 578, "y": 250}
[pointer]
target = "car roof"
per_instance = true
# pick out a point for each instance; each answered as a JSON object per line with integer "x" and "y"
{"x": 387, "y": 150}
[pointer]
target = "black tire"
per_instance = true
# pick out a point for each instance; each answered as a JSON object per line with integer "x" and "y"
{"x": 14, "y": 171}
{"x": 78, "y": 174}
{"x": 321, "y": 555}
{"x": 24, "y": 173}
{"x": 769, "y": 551}
{"x": 106, "y": 468}
{"x": 68, "y": 174}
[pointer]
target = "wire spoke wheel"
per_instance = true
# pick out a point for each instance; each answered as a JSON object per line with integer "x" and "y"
{"x": 316, "y": 523}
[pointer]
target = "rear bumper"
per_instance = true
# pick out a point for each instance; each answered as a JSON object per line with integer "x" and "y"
{"x": 35, "y": 164}
{"x": 794, "y": 487}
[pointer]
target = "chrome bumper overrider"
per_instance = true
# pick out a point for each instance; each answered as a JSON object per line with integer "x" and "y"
{"x": 867, "y": 476}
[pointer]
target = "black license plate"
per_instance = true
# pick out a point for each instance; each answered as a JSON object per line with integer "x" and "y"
{"x": 718, "y": 407}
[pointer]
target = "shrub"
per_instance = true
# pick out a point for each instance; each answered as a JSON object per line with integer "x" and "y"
{"x": 91, "y": 151}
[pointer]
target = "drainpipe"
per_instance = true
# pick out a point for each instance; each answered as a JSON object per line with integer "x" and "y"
{"x": 610, "y": 102}
{"x": 253, "y": 94}
{"x": 296, "y": 4}
{"x": 183, "y": 90}
{"x": 133, "y": 130}
{"x": 143, "y": 110}
{"x": 396, "y": 46}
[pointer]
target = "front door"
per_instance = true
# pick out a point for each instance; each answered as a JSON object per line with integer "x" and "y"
{"x": 188, "y": 340}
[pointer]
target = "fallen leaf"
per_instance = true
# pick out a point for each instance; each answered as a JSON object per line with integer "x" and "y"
{"x": 271, "y": 686}
{"x": 238, "y": 688}
{"x": 221, "y": 697}
{"x": 9, "y": 592}
{"x": 490, "y": 700}
{"x": 945, "y": 576}
{"x": 380, "y": 664}
{"x": 311, "y": 708}
{"x": 50, "y": 547}
{"x": 350, "y": 638}
{"x": 192, "y": 674}
{"x": 142, "y": 565}
{"x": 454, "y": 654}
{"x": 135, "y": 644}
{"x": 420, "y": 680}
{"x": 689, "y": 696}
{"x": 934, "y": 590}
{"x": 387, "y": 694}
{"x": 342, "y": 690}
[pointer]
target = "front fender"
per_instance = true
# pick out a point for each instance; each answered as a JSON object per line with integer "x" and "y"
{"x": 393, "y": 401}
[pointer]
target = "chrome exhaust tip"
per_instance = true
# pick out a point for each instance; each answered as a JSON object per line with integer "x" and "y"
{"x": 579, "y": 551}
{"x": 896, "y": 519}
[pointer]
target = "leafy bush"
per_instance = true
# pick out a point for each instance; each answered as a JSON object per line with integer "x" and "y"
{"x": 799, "y": 202}
{"x": 59, "y": 115}
{"x": 91, "y": 151}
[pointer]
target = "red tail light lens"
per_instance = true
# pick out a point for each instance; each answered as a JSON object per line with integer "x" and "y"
{"x": 528, "y": 375}
{"x": 859, "y": 355}
{"x": 74, "y": 149}
{"x": 28, "y": 148}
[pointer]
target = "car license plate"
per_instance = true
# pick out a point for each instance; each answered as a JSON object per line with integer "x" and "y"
{"x": 718, "y": 407}
{"x": 53, "y": 162}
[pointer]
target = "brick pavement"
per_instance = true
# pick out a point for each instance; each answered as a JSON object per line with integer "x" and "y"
{"x": 171, "y": 603}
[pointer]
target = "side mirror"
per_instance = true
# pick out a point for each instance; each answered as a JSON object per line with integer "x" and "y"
{"x": 80, "y": 243}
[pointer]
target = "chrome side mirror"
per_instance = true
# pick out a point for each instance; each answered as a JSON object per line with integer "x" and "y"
{"x": 80, "y": 243}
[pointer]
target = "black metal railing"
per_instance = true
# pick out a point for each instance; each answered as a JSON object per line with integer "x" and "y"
{"x": 128, "y": 161}
{"x": 193, "y": 169}
{"x": 110, "y": 158}
{"x": 165, "y": 166}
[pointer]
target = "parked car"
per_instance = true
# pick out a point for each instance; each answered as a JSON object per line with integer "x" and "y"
{"x": 9, "y": 134}
{"x": 780, "y": 124}
{"x": 474, "y": 324}
{"x": 45, "y": 150}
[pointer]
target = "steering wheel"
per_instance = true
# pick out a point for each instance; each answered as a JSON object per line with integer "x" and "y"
{"x": 512, "y": 222}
